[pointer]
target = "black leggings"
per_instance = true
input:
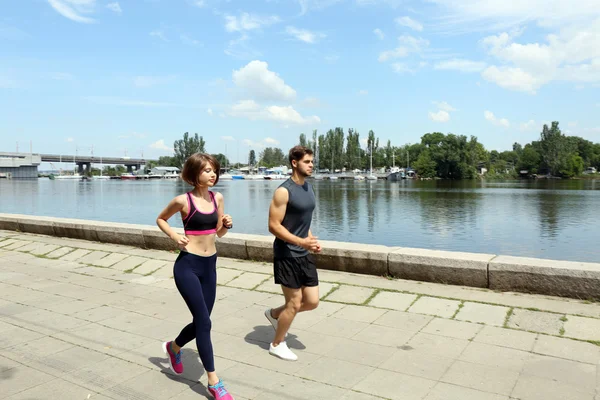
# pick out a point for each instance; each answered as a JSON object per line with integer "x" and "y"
{"x": 196, "y": 279}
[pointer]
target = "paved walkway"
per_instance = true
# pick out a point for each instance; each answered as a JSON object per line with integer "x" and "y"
{"x": 83, "y": 320}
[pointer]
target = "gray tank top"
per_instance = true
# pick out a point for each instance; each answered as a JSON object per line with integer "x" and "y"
{"x": 298, "y": 216}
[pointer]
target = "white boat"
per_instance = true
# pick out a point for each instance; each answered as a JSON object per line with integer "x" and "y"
{"x": 275, "y": 177}
{"x": 254, "y": 177}
{"x": 101, "y": 177}
{"x": 74, "y": 176}
{"x": 333, "y": 178}
{"x": 359, "y": 178}
{"x": 225, "y": 177}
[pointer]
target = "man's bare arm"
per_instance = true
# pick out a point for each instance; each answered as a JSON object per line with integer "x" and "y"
{"x": 276, "y": 214}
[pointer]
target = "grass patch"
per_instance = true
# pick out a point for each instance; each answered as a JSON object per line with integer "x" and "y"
{"x": 368, "y": 300}
{"x": 533, "y": 309}
{"x": 460, "y": 306}
{"x": 335, "y": 288}
{"x": 509, "y": 314}
{"x": 564, "y": 318}
{"x": 561, "y": 332}
{"x": 414, "y": 301}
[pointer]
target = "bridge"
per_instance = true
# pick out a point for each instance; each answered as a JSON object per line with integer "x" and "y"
{"x": 87, "y": 161}
{"x": 19, "y": 162}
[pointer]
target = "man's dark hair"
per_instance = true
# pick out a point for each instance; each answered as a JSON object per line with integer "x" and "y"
{"x": 297, "y": 153}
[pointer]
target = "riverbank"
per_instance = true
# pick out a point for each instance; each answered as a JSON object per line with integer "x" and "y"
{"x": 499, "y": 272}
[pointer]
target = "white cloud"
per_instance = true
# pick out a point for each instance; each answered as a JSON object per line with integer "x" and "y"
{"x": 315, "y": 5}
{"x": 304, "y": 35}
{"x": 253, "y": 111}
{"x": 239, "y": 49}
{"x": 572, "y": 124}
{"x": 209, "y": 111}
{"x": 392, "y": 54}
{"x": 440, "y": 116}
{"x": 364, "y": 142}
{"x": 363, "y": 92}
{"x": 198, "y": 3}
{"x": 261, "y": 83}
{"x": 160, "y": 145}
{"x": 332, "y": 58}
{"x": 496, "y": 121}
{"x": 228, "y": 138}
{"x": 528, "y": 126}
{"x": 485, "y": 15}
{"x": 115, "y": 7}
{"x": 69, "y": 139}
{"x": 512, "y": 79}
{"x": 442, "y": 105}
{"x": 401, "y": 68}
{"x": 248, "y": 22}
{"x": 160, "y": 35}
{"x": 312, "y": 102}
{"x": 185, "y": 39}
{"x": 379, "y": 33}
{"x": 148, "y": 81}
{"x": 408, "y": 44}
{"x": 462, "y": 65}
{"x": 409, "y": 23}
{"x": 73, "y": 9}
{"x": 271, "y": 141}
{"x": 571, "y": 55}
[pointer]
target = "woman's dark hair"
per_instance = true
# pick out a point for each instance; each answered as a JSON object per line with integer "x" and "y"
{"x": 195, "y": 164}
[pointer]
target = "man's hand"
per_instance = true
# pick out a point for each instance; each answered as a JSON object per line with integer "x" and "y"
{"x": 310, "y": 243}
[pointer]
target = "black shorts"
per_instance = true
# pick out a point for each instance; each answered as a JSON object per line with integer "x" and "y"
{"x": 296, "y": 272}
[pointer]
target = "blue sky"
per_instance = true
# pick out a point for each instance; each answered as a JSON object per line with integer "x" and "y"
{"x": 132, "y": 76}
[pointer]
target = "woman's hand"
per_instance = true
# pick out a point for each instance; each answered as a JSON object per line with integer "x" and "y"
{"x": 227, "y": 221}
{"x": 182, "y": 241}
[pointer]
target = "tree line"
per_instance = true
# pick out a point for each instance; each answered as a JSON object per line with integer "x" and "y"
{"x": 450, "y": 156}
{"x": 437, "y": 155}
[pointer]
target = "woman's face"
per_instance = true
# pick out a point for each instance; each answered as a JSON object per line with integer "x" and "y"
{"x": 207, "y": 176}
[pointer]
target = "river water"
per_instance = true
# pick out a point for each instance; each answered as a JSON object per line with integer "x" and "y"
{"x": 545, "y": 219}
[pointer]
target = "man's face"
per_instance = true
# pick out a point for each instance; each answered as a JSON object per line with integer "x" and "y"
{"x": 305, "y": 165}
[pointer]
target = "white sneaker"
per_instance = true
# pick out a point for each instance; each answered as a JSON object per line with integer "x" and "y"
{"x": 272, "y": 320}
{"x": 282, "y": 351}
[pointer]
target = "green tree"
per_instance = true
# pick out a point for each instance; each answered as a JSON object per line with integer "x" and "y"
{"x": 187, "y": 146}
{"x": 273, "y": 157}
{"x": 222, "y": 159}
{"x": 555, "y": 148}
{"x": 302, "y": 140}
{"x": 252, "y": 157}
{"x": 530, "y": 159}
{"x": 425, "y": 165}
{"x": 573, "y": 166}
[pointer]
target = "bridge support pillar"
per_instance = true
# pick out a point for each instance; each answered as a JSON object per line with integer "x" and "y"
{"x": 84, "y": 167}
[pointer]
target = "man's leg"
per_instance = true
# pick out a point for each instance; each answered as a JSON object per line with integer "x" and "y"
{"x": 287, "y": 312}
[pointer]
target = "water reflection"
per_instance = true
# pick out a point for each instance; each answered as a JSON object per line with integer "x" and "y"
{"x": 549, "y": 219}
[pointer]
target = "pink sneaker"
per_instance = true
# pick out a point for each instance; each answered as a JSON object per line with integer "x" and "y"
{"x": 219, "y": 392}
{"x": 174, "y": 359}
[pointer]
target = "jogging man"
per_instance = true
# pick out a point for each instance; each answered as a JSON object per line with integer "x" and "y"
{"x": 290, "y": 215}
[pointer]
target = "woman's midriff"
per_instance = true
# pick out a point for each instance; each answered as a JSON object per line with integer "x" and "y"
{"x": 202, "y": 245}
